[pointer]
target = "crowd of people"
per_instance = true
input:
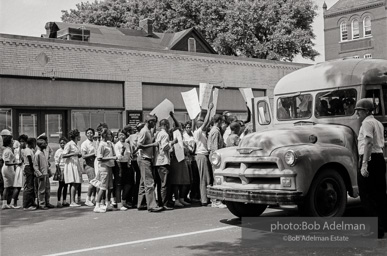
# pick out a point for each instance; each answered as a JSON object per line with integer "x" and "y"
{"x": 136, "y": 167}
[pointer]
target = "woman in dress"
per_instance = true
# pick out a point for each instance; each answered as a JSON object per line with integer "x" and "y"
{"x": 19, "y": 158}
{"x": 179, "y": 175}
{"x": 72, "y": 168}
{"x": 104, "y": 179}
{"x": 8, "y": 173}
{"x": 60, "y": 164}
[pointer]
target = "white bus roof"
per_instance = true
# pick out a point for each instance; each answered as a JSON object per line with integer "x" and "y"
{"x": 333, "y": 74}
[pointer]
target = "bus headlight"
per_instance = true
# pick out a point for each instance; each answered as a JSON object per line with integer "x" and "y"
{"x": 290, "y": 158}
{"x": 215, "y": 159}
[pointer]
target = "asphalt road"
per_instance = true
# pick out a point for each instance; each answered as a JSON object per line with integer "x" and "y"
{"x": 188, "y": 231}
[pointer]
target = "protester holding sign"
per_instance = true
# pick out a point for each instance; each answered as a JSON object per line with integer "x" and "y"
{"x": 202, "y": 156}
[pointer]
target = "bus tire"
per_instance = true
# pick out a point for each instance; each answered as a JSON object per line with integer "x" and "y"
{"x": 327, "y": 196}
{"x": 245, "y": 210}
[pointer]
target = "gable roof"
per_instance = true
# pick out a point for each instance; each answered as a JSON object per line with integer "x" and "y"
{"x": 127, "y": 37}
{"x": 352, "y": 5}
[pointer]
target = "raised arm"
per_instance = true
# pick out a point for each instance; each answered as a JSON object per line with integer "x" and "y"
{"x": 207, "y": 118}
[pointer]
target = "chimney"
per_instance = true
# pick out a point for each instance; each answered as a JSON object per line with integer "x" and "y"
{"x": 51, "y": 29}
{"x": 324, "y": 7}
{"x": 146, "y": 25}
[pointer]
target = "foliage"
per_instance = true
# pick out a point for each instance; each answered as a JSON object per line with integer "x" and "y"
{"x": 276, "y": 30}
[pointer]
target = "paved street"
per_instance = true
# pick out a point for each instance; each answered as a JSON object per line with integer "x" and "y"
{"x": 189, "y": 231}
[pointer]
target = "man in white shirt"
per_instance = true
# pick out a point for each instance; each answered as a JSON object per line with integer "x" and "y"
{"x": 201, "y": 157}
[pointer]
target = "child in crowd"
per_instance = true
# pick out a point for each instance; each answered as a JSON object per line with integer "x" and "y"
{"x": 60, "y": 163}
{"x": 125, "y": 179}
{"x": 42, "y": 179}
{"x": 29, "y": 184}
{"x": 104, "y": 179}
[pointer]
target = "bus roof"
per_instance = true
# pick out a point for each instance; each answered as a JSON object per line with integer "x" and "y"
{"x": 334, "y": 74}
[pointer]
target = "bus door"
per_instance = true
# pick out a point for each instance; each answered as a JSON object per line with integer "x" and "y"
{"x": 262, "y": 115}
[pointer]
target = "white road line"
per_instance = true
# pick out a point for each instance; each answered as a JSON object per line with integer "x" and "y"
{"x": 143, "y": 241}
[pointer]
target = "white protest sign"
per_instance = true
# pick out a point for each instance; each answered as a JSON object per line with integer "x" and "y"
{"x": 247, "y": 94}
{"x": 191, "y": 102}
{"x": 163, "y": 109}
{"x": 179, "y": 146}
{"x": 215, "y": 95}
{"x": 204, "y": 94}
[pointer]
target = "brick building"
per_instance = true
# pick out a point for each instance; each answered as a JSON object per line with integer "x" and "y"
{"x": 356, "y": 28}
{"x": 70, "y": 79}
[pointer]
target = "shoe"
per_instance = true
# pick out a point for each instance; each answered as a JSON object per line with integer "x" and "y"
{"x": 183, "y": 202}
{"x": 178, "y": 204}
{"x": 126, "y": 205}
{"x": 214, "y": 204}
{"x": 109, "y": 208}
{"x": 222, "y": 205}
{"x": 74, "y": 205}
{"x": 6, "y": 206}
{"x": 113, "y": 203}
{"x": 123, "y": 208}
{"x": 99, "y": 209}
{"x": 65, "y": 204}
{"x": 15, "y": 206}
{"x": 31, "y": 208}
{"x": 156, "y": 209}
{"x": 142, "y": 208}
{"x": 43, "y": 208}
{"x": 167, "y": 208}
{"x": 103, "y": 206}
{"x": 204, "y": 204}
{"x": 193, "y": 200}
{"x": 50, "y": 206}
{"x": 59, "y": 205}
{"x": 89, "y": 203}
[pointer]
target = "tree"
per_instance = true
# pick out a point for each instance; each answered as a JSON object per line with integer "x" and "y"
{"x": 276, "y": 30}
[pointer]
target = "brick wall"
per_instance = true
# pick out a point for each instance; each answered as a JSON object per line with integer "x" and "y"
{"x": 376, "y": 45}
{"x": 40, "y": 57}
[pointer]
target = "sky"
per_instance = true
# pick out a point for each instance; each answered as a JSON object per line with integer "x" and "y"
{"x": 28, "y": 18}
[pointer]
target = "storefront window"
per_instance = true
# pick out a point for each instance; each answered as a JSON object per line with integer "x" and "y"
{"x": 84, "y": 119}
{"x": 5, "y": 119}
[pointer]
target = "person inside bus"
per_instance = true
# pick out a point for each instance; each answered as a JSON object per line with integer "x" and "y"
{"x": 349, "y": 106}
{"x": 281, "y": 112}
{"x": 336, "y": 106}
{"x": 305, "y": 105}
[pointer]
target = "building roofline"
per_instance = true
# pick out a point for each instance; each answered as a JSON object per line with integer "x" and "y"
{"x": 174, "y": 52}
{"x": 329, "y": 14}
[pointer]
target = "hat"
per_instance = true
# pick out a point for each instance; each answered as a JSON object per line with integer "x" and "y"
{"x": 364, "y": 104}
{"x": 5, "y": 132}
{"x": 151, "y": 118}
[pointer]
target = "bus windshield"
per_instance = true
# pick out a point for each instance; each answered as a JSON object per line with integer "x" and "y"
{"x": 294, "y": 107}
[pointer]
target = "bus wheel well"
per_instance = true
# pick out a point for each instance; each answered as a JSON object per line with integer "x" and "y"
{"x": 343, "y": 173}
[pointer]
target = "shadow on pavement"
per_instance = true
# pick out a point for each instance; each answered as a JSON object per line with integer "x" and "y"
{"x": 11, "y": 218}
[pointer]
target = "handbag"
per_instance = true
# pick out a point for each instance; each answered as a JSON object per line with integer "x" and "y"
{"x": 57, "y": 174}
